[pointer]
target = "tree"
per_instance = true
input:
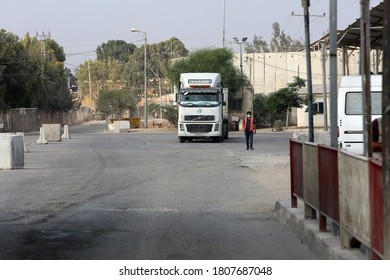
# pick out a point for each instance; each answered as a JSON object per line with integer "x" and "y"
{"x": 281, "y": 42}
{"x": 210, "y": 60}
{"x": 101, "y": 70}
{"x": 283, "y": 100}
{"x": 14, "y": 72}
{"x": 159, "y": 58}
{"x": 115, "y": 50}
{"x": 114, "y": 102}
{"x": 153, "y": 108}
{"x": 48, "y": 83}
{"x": 262, "y": 112}
{"x": 54, "y": 95}
{"x": 30, "y": 79}
{"x": 54, "y": 51}
{"x": 259, "y": 45}
{"x": 171, "y": 115}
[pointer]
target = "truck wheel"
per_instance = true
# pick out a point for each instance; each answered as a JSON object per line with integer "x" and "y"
{"x": 217, "y": 139}
{"x": 182, "y": 139}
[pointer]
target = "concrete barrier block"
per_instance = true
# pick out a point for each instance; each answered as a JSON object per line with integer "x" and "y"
{"x": 52, "y": 132}
{"x": 11, "y": 151}
{"x": 41, "y": 139}
{"x": 66, "y": 132}
{"x": 121, "y": 126}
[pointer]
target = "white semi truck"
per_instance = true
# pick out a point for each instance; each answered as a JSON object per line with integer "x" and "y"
{"x": 202, "y": 107}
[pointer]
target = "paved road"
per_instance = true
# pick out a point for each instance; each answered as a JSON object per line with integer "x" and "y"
{"x": 143, "y": 195}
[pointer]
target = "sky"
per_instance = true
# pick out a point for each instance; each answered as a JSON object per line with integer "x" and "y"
{"x": 79, "y": 26}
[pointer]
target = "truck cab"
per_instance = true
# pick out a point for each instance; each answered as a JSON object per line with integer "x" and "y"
{"x": 201, "y": 112}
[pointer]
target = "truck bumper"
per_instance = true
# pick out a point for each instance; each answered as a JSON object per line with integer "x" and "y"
{"x": 199, "y": 130}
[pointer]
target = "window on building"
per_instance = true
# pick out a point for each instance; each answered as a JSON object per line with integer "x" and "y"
{"x": 236, "y": 105}
{"x": 318, "y": 108}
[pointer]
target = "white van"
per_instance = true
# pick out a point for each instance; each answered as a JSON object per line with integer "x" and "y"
{"x": 350, "y": 110}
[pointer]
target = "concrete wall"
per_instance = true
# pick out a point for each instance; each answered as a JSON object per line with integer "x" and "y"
{"x": 354, "y": 197}
{"x": 269, "y": 72}
{"x": 310, "y": 174}
{"x": 318, "y": 119}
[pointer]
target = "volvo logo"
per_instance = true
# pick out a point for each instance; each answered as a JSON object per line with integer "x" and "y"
{"x": 199, "y": 111}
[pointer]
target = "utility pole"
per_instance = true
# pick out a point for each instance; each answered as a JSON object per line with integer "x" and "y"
{"x": 365, "y": 43}
{"x": 90, "y": 89}
{"x": 42, "y": 38}
{"x": 238, "y": 42}
{"x": 386, "y": 131}
{"x": 333, "y": 72}
{"x": 325, "y": 99}
{"x": 223, "y": 30}
{"x": 306, "y": 4}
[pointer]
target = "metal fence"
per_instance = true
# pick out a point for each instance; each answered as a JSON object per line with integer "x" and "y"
{"x": 31, "y": 119}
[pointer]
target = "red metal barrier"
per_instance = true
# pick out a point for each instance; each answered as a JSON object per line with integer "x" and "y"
{"x": 328, "y": 185}
{"x": 296, "y": 171}
{"x": 376, "y": 210}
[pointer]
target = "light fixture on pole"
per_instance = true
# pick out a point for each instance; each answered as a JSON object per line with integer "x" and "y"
{"x": 243, "y": 41}
{"x": 145, "y": 78}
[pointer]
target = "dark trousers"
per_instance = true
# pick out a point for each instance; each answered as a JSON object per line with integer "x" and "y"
{"x": 249, "y": 139}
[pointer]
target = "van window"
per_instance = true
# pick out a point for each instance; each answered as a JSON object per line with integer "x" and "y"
{"x": 354, "y": 103}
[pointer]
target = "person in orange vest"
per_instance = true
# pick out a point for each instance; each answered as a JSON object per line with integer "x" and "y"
{"x": 249, "y": 128}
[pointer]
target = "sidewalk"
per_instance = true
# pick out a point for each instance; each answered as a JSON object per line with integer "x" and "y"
{"x": 324, "y": 244}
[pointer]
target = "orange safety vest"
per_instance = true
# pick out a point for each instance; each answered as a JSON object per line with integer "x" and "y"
{"x": 251, "y": 124}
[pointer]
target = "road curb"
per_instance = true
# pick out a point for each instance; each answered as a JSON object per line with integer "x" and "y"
{"x": 325, "y": 245}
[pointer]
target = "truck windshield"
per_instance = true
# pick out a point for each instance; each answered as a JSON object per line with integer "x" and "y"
{"x": 199, "y": 99}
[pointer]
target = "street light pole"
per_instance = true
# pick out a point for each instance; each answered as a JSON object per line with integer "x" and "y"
{"x": 243, "y": 41}
{"x": 145, "y": 78}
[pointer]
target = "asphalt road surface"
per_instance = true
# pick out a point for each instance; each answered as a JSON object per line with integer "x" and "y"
{"x": 143, "y": 195}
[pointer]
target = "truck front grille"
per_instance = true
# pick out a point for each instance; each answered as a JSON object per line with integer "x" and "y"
{"x": 201, "y": 118}
{"x": 201, "y": 128}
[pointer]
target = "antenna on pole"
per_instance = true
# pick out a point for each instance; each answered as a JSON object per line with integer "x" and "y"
{"x": 41, "y": 38}
{"x": 223, "y": 30}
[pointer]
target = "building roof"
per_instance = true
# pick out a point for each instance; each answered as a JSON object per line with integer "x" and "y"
{"x": 350, "y": 37}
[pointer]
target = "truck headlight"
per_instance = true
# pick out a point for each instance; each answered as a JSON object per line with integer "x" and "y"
{"x": 216, "y": 128}
{"x": 181, "y": 127}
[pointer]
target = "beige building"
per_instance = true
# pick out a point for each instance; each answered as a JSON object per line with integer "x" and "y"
{"x": 269, "y": 72}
